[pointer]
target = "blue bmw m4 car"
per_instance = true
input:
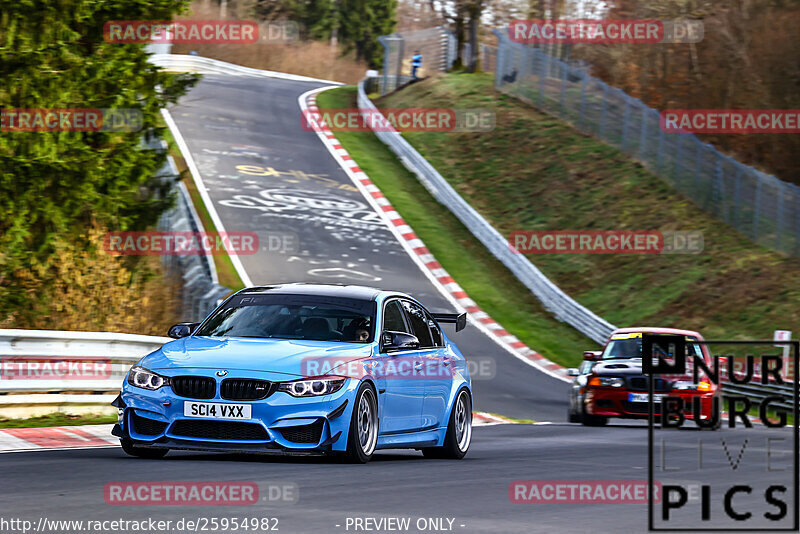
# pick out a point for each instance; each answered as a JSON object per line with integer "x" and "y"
{"x": 303, "y": 368}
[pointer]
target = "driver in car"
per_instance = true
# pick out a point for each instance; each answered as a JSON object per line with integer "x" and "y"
{"x": 357, "y": 330}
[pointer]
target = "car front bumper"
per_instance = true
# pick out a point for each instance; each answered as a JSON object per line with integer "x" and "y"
{"x": 279, "y": 423}
{"x": 614, "y": 402}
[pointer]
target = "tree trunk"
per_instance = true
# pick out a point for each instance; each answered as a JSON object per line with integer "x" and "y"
{"x": 459, "y": 31}
{"x": 472, "y": 61}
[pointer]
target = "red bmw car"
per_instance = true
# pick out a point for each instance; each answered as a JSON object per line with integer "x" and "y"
{"x": 610, "y": 382}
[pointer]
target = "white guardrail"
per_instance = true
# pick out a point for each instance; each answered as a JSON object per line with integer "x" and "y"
{"x": 552, "y": 297}
{"x": 200, "y": 284}
{"x": 188, "y": 63}
{"x": 43, "y": 371}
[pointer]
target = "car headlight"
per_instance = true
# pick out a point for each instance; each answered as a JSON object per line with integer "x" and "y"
{"x": 689, "y": 385}
{"x": 313, "y": 387}
{"x": 142, "y": 378}
{"x": 607, "y": 381}
{"x": 612, "y": 382}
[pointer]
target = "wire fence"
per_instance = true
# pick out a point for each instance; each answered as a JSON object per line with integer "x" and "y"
{"x": 757, "y": 204}
{"x": 437, "y": 46}
{"x": 488, "y": 58}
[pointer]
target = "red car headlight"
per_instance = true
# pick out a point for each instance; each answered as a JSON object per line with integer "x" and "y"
{"x": 607, "y": 381}
{"x": 688, "y": 385}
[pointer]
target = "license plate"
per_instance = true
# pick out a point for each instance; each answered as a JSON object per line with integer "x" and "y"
{"x": 643, "y": 397}
{"x": 216, "y": 410}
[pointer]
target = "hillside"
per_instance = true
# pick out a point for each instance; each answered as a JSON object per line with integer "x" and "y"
{"x": 537, "y": 173}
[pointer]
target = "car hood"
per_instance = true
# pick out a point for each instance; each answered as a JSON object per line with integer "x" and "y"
{"x": 619, "y": 366}
{"x": 285, "y": 356}
{"x": 628, "y": 367}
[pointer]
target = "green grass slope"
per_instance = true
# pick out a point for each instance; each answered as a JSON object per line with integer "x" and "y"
{"x": 534, "y": 172}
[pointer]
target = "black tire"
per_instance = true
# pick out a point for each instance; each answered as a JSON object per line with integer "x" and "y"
{"x": 718, "y": 424}
{"x": 456, "y": 442}
{"x": 593, "y": 420}
{"x": 714, "y": 427}
{"x": 573, "y": 416}
{"x": 361, "y": 441}
{"x": 142, "y": 452}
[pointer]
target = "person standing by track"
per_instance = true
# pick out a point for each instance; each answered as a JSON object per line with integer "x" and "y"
{"x": 416, "y": 63}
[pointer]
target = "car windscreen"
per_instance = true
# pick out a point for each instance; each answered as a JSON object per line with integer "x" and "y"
{"x": 307, "y": 317}
{"x": 632, "y": 348}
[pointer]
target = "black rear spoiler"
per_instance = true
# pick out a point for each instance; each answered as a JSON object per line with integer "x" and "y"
{"x": 459, "y": 319}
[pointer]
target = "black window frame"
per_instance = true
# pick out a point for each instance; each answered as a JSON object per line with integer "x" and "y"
{"x": 402, "y": 314}
{"x": 438, "y": 327}
{"x": 427, "y": 314}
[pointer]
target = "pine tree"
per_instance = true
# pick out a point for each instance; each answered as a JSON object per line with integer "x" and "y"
{"x": 55, "y": 185}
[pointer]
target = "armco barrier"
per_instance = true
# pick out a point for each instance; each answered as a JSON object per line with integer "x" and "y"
{"x": 187, "y": 63}
{"x": 45, "y": 394}
{"x": 757, "y": 392}
{"x": 201, "y": 289}
{"x": 552, "y": 297}
{"x": 41, "y": 389}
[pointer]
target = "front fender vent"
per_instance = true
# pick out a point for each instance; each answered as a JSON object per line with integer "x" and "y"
{"x": 303, "y": 434}
{"x": 146, "y": 426}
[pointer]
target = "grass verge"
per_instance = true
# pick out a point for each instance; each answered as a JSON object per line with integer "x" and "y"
{"x": 483, "y": 277}
{"x": 226, "y": 272}
{"x": 514, "y": 419}
{"x": 58, "y": 419}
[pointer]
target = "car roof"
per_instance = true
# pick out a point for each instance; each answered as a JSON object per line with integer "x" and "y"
{"x": 326, "y": 290}
{"x": 657, "y": 330}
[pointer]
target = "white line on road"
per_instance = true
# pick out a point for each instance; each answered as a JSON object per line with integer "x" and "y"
{"x": 201, "y": 187}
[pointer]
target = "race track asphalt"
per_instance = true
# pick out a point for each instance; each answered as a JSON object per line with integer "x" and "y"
{"x": 266, "y": 174}
{"x": 474, "y": 492}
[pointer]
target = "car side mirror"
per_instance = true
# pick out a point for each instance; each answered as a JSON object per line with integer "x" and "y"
{"x": 572, "y": 372}
{"x": 182, "y": 330}
{"x": 392, "y": 341}
{"x": 592, "y": 355}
